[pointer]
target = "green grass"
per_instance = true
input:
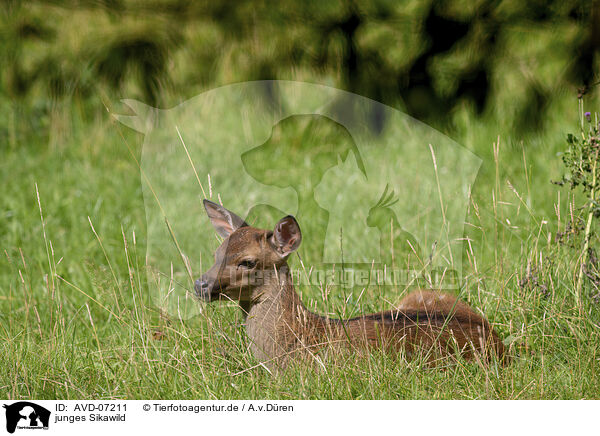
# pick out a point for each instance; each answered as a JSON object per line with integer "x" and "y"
{"x": 77, "y": 319}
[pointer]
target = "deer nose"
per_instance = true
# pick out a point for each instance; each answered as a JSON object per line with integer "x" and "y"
{"x": 201, "y": 288}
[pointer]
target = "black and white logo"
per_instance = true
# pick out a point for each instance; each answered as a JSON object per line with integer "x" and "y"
{"x": 26, "y": 415}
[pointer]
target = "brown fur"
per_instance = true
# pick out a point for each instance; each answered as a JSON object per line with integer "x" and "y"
{"x": 281, "y": 329}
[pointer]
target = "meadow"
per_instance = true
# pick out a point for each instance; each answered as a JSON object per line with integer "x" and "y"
{"x": 77, "y": 320}
{"x": 79, "y": 317}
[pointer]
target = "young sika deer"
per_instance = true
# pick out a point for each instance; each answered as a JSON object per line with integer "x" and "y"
{"x": 250, "y": 267}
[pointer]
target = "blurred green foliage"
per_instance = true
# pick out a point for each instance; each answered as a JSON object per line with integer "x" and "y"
{"x": 425, "y": 57}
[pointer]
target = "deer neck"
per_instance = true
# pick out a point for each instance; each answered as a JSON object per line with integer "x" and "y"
{"x": 277, "y": 321}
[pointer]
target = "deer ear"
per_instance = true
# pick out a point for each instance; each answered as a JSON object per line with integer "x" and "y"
{"x": 286, "y": 236}
{"x": 224, "y": 221}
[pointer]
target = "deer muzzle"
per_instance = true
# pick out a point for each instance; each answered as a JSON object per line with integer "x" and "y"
{"x": 203, "y": 289}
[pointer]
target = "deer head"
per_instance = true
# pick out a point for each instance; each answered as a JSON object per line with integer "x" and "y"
{"x": 248, "y": 258}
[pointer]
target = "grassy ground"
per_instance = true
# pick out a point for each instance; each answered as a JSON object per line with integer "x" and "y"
{"x": 77, "y": 320}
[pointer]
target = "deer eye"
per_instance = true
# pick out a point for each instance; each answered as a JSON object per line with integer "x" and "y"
{"x": 247, "y": 264}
